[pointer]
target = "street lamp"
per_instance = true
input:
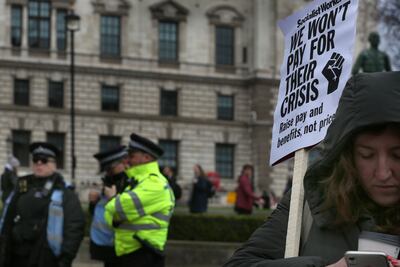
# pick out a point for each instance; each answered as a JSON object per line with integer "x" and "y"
{"x": 73, "y": 25}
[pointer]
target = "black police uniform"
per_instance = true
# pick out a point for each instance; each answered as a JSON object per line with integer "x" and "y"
{"x": 23, "y": 237}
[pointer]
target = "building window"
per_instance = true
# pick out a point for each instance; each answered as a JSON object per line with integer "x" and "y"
{"x": 20, "y": 146}
{"x": 21, "y": 92}
{"x": 109, "y": 98}
{"x": 168, "y": 103}
{"x": 224, "y": 159}
{"x": 16, "y": 25}
{"x": 224, "y": 45}
{"x": 110, "y": 36}
{"x": 168, "y": 41}
{"x": 225, "y": 107}
{"x": 58, "y": 140}
{"x": 56, "y": 94}
{"x": 170, "y": 156}
{"x": 61, "y": 30}
{"x": 39, "y": 24}
{"x": 109, "y": 142}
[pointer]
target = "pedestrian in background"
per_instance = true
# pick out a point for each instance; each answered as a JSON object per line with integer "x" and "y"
{"x": 42, "y": 223}
{"x": 201, "y": 187}
{"x": 9, "y": 177}
{"x": 113, "y": 163}
{"x": 354, "y": 187}
{"x": 170, "y": 175}
{"x": 140, "y": 214}
{"x": 245, "y": 196}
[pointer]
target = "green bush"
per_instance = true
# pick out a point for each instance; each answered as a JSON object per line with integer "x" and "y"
{"x": 212, "y": 227}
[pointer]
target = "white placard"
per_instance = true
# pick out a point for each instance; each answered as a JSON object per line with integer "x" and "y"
{"x": 317, "y": 63}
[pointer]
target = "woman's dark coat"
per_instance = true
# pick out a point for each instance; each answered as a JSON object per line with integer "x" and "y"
{"x": 198, "y": 202}
{"x": 367, "y": 99}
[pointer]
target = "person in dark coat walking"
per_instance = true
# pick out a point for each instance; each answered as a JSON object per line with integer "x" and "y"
{"x": 170, "y": 175}
{"x": 201, "y": 187}
{"x": 42, "y": 224}
{"x": 355, "y": 187}
{"x": 9, "y": 177}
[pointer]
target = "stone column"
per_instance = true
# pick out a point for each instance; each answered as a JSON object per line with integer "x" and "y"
{"x": 265, "y": 38}
{"x": 53, "y": 33}
{"x": 261, "y": 125}
{"x": 25, "y": 31}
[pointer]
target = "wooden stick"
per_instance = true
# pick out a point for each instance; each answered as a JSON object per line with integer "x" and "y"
{"x": 296, "y": 204}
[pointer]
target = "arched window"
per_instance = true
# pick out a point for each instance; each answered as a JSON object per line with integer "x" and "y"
{"x": 225, "y": 20}
{"x": 169, "y": 15}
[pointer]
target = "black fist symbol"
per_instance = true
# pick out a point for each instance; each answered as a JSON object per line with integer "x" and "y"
{"x": 332, "y": 71}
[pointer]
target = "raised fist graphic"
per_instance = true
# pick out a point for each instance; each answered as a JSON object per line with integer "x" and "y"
{"x": 332, "y": 71}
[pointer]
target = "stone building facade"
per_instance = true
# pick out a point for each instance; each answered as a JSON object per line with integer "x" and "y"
{"x": 198, "y": 76}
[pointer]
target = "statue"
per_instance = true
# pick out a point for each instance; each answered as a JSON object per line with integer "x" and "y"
{"x": 372, "y": 59}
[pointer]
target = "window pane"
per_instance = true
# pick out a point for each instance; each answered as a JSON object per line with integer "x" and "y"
{"x": 56, "y": 94}
{"x": 225, "y": 107}
{"x": 110, "y": 35}
{"x": 170, "y": 156}
{"x": 16, "y": 25}
{"x": 61, "y": 29}
{"x": 21, "y": 92}
{"x": 44, "y": 9}
{"x": 39, "y": 24}
{"x": 58, "y": 140}
{"x": 224, "y": 45}
{"x": 109, "y": 142}
{"x": 33, "y": 8}
{"x": 168, "y": 105}
{"x": 110, "y": 98}
{"x": 20, "y": 146}
{"x": 168, "y": 41}
{"x": 224, "y": 156}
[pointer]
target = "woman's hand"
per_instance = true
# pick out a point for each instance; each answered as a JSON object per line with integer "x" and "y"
{"x": 340, "y": 263}
{"x": 393, "y": 262}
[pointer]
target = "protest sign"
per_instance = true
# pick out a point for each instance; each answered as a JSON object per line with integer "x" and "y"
{"x": 317, "y": 63}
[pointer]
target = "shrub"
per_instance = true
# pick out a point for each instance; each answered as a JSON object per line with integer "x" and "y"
{"x": 212, "y": 227}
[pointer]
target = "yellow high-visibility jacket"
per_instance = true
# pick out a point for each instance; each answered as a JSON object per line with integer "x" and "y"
{"x": 142, "y": 212}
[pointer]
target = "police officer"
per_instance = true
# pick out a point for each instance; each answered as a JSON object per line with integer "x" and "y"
{"x": 42, "y": 223}
{"x": 140, "y": 215}
{"x": 113, "y": 163}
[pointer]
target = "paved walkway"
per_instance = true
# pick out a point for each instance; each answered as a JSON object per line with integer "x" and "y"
{"x": 83, "y": 257}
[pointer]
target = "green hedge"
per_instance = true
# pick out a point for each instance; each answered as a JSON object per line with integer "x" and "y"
{"x": 208, "y": 227}
{"x": 211, "y": 227}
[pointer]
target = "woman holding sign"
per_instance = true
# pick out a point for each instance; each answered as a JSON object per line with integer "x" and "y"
{"x": 354, "y": 189}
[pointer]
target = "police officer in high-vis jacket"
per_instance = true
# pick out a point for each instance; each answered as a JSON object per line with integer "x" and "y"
{"x": 140, "y": 215}
{"x": 42, "y": 223}
{"x": 113, "y": 163}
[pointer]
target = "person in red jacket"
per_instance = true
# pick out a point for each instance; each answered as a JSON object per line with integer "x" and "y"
{"x": 245, "y": 196}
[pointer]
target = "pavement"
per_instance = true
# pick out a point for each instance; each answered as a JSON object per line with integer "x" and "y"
{"x": 83, "y": 257}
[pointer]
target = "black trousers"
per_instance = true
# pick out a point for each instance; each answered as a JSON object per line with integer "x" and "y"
{"x": 142, "y": 258}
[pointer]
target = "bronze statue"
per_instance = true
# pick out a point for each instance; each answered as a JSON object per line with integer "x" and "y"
{"x": 372, "y": 59}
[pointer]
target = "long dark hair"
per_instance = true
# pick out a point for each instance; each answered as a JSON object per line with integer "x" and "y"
{"x": 345, "y": 194}
{"x": 202, "y": 173}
